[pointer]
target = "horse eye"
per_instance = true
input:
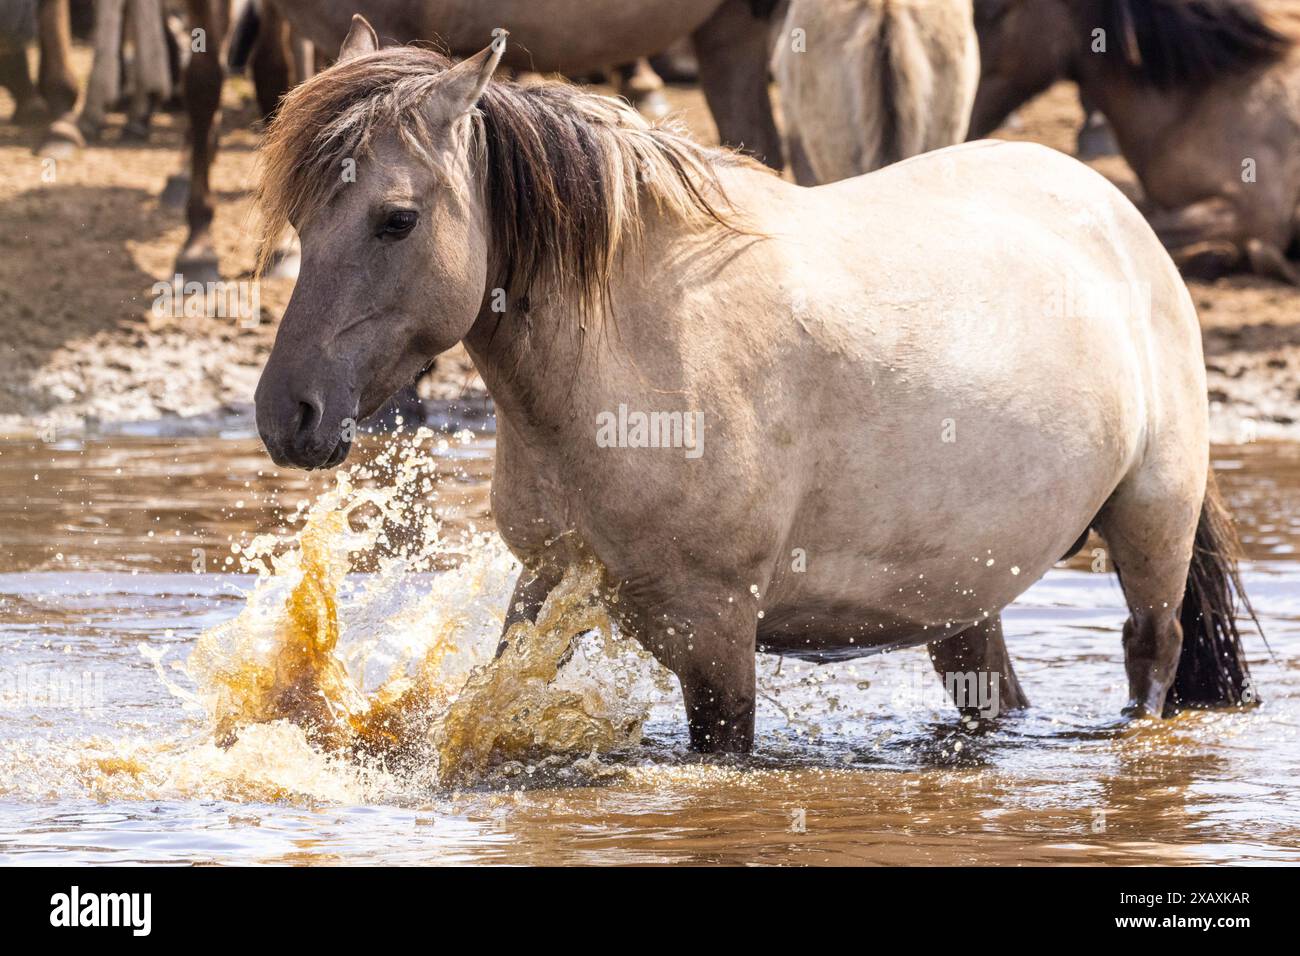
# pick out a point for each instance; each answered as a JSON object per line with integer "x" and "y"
{"x": 398, "y": 224}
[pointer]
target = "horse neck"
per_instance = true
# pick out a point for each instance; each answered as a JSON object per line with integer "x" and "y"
{"x": 538, "y": 364}
{"x": 528, "y": 359}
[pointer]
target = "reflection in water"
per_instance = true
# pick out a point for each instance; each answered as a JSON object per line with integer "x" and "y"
{"x": 151, "y": 713}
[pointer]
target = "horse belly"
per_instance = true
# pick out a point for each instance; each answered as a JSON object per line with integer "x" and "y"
{"x": 857, "y": 605}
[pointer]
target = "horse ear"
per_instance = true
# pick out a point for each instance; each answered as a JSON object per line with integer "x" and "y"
{"x": 361, "y": 39}
{"x": 464, "y": 83}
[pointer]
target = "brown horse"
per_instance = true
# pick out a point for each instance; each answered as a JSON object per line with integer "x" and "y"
{"x": 800, "y": 420}
{"x": 54, "y": 95}
{"x": 1203, "y": 98}
{"x": 553, "y": 36}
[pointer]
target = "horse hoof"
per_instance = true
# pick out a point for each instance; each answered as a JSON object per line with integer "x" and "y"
{"x": 284, "y": 264}
{"x": 176, "y": 192}
{"x": 652, "y": 105}
{"x": 62, "y": 141}
{"x": 199, "y": 267}
{"x": 135, "y": 131}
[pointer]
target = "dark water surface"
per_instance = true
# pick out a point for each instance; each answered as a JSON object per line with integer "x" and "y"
{"x": 862, "y": 762}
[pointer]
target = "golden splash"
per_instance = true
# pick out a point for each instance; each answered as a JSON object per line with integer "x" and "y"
{"x": 448, "y": 708}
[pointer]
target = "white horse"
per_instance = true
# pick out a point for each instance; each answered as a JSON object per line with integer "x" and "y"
{"x": 865, "y": 83}
{"x": 823, "y": 422}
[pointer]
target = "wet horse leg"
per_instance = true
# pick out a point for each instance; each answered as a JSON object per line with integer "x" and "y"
{"x": 202, "y": 86}
{"x": 707, "y": 637}
{"x": 1149, "y": 528}
{"x": 732, "y": 47}
{"x": 979, "y": 650}
{"x": 56, "y": 81}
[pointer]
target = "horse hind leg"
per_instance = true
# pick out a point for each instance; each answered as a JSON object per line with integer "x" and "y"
{"x": 1171, "y": 545}
{"x": 976, "y": 671}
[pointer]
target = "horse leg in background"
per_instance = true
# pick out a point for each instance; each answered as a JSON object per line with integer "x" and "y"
{"x": 273, "y": 65}
{"x": 152, "y": 70}
{"x": 1095, "y": 138}
{"x": 56, "y": 81}
{"x": 800, "y": 165}
{"x": 1208, "y": 239}
{"x": 104, "y": 84}
{"x": 981, "y": 652}
{"x": 733, "y": 51}
{"x": 271, "y": 60}
{"x": 29, "y": 108}
{"x": 642, "y": 87}
{"x": 197, "y": 261}
{"x": 677, "y": 64}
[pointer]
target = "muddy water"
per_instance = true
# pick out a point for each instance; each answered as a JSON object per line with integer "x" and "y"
{"x": 162, "y": 700}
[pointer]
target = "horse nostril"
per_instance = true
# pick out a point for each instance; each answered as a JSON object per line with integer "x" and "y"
{"x": 308, "y": 417}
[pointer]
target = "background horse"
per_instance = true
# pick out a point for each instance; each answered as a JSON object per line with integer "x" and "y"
{"x": 1203, "y": 98}
{"x": 894, "y": 439}
{"x": 865, "y": 83}
{"x": 558, "y": 36}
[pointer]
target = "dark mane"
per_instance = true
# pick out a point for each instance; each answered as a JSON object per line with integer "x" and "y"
{"x": 567, "y": 175}
{"x": 1173, "y": 44}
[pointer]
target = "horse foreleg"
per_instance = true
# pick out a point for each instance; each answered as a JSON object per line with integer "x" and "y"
{"x": 202, "y": 87}
{"x": 1209, "y": 238}
{"x": 531, "y": 588}
{"x": 710, "y": 645}
{"x": 979, "y": 651}
{"x": 732, "y": 48}
{"x": 56, "y": 81}
{"x": 271, "y": 60}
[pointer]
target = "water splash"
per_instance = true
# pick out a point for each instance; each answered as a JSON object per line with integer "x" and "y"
{"x": 403, "y": 677}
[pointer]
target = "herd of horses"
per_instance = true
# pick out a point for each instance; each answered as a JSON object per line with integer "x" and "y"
{"x": 1202, "y": 95}
{"x": 903, "y": 435}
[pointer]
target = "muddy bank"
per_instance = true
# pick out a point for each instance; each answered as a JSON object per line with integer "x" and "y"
{"x": 82, "y": 347}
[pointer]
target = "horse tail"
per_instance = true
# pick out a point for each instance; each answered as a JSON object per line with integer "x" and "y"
{"x": 244, "y": 37}
{"x": 1212, "y": 669}
{"x": 928, "y": 76}
{"x": 906, "y": 81}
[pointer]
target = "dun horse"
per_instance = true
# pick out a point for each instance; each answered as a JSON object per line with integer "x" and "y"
{"x": 1204, "y": 100}
{"x": 865, "y": 83}
{"x": 900, "y": 427}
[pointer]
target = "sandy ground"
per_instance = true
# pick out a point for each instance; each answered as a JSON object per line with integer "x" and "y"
{"x": 82, "y": 348}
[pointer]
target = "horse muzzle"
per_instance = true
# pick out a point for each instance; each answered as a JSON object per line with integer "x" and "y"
{"x": 305, "y": 431}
